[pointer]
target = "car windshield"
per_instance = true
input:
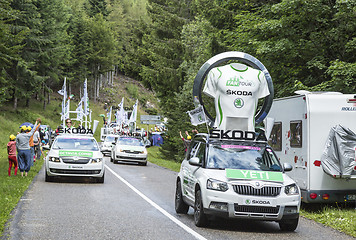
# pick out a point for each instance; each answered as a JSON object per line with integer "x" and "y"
{"x": 234, "y": 156}
{"x": 110, "y": 139}
{"x": 76, "y": 143}
{"x": 130, "y": 141}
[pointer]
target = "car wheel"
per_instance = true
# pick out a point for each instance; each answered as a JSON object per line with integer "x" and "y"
{"x": 180, "y": 205}
{"x": 143, "y": 163}
{"x": 200, "y": 218}
{"x": 48, "y": 178}
{"x": 288, "y": 225}
{"x": 100, "y": 179}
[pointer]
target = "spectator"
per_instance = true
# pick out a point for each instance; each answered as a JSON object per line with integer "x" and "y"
{"x": 32, "y": 145}
{"x": 23, "y": 149}
{"x": 37, "y": 145}
{"x": 11, "y": 151}
{"x": 186, "y": 142}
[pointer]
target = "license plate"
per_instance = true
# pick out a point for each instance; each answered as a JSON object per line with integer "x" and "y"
{"x": 75, "y": 167}
{"x": 132, "y": 155}
{"x": 351, "y": 197}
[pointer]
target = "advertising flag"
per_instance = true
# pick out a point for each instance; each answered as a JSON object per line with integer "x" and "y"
{"x": 120, "y": 113}
{"x": 109, "y": 115}
{"x": 85, "y": 98}
{"x": 133, "y": 116}
{"x": 79, "y": 111}
{"x": 197, "y": 116}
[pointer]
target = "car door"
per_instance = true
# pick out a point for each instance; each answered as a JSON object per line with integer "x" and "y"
{"x": 187, "y": 170}
{"x": 197, "y": 150}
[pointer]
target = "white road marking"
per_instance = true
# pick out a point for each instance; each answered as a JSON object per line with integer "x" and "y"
{"x": 164, "y": 212}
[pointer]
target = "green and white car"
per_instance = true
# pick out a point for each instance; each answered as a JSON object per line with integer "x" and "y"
{"x": 75, "y": 155}
{"x": 236, "y": 179}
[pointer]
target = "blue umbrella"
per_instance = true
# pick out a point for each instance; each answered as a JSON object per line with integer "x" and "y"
{"x": 27, "y": 124}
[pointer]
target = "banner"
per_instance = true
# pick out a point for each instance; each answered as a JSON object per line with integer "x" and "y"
{"x": 63, "y": 92}
{"x": 79, "y": 111}
{"x": 197, "y": 116}
{"x": 85, "y": 98}
{"x": 109, "y": 115}
{"x": 120, "y": 114}
{"x": 133, "y": 116}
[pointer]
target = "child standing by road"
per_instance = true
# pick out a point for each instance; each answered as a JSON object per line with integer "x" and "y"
{"x": 11, "y": 151}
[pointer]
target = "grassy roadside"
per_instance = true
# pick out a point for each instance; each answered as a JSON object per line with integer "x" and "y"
{"x": 340, "y": 218}
{"x": 12, "y": 189}
{"x": 155, "y": 157}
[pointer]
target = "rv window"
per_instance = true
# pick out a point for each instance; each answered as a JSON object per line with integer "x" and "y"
{"x": 275, "y": 139}
{"x": 296, "y": 134}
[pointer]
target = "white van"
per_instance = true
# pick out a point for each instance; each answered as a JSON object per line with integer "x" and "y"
{"x": 301, "y": 129}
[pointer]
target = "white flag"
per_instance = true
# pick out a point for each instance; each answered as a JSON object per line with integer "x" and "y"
{"x": 133, "y": 116}
{"x": 120, "y": 113}
{"x": 63, "y": 92}
{"x": 85, "y": 98}
{"x": 66, "y": 112}
{"x": 109, "y": 115}
{"x": 197, "y": 116}
{"x": 79, "y": 111}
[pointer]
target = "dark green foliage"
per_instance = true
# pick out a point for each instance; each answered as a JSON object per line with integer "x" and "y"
{"x": 94, "y": 7}
{"x": 304, "y": 44}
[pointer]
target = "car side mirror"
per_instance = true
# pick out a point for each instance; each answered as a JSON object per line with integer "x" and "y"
{"x": 113, "y": 143}
{"x": 45, "y": 147}
{"x": 195, "y": 161}
{"x": 287, "y": 167}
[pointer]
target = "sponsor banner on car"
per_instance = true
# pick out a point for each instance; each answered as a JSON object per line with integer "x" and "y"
{"x": 75, "y": 153}
{"x": 254, "y": 175}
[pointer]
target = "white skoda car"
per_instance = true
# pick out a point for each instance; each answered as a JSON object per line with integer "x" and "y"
{"x": 129, "y": 149}
{"x": 236, "y": 179}
{"x": 75, "y": 155}
{"x": 106, "y": 146}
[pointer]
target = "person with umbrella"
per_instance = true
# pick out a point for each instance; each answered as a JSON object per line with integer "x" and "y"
{"x": 23, "y": 148}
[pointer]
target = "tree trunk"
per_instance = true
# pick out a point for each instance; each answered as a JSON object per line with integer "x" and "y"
{"x": 94, "y": 89}
{"x": 49, "y": 96}
{"x": 44, "y": 97}
{"x": 15, "y": 99}
{"x": 27, "y": 102}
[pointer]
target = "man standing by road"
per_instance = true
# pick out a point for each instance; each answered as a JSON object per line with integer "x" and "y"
{"x": 23, "y": 149}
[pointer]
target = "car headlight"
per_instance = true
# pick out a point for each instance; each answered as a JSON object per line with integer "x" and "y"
{"x": 144, "y": 151}
{"x": 217, "y": 185}
{"x": 53, "y": 159}
{"x": 96, "y": 160}
{"x": 291, "y": 189}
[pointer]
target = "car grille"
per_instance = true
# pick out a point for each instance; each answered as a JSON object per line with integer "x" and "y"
{"x": 132, "y": 152}
{"x": 75, "y": 161}
{"x": 67, "y": 171}
{"x": 256, "y": 209}
{"x": 264, "y": 191}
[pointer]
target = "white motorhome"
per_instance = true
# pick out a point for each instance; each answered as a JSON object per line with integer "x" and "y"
{"x": 301, "y": 128}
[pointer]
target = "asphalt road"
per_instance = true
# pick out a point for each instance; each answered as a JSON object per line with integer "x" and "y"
{"x": 135, "y": 202}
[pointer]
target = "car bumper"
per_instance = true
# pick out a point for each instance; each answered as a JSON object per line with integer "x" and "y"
{"x": 79, "y": 170}
{"x": 131, "y": 157}
{"x": 233, "y": 205}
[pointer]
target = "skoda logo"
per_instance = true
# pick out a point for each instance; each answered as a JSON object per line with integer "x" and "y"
{"x": 257, "y": 184}
{"x": 238, "y": 103}
{"x": 247, "y": 201}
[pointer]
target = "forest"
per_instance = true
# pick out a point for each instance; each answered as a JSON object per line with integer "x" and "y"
{"x": 304, "y": 44}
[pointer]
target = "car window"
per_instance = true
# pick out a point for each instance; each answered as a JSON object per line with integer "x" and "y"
{"x": 192, "y": 149}
{"x": 76, "y": 143}
{"x": 130, "y": 141}
{"x": 233, "y": 156}
{"x": 110, "y": 139}
{"x": 200, "y": 153}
